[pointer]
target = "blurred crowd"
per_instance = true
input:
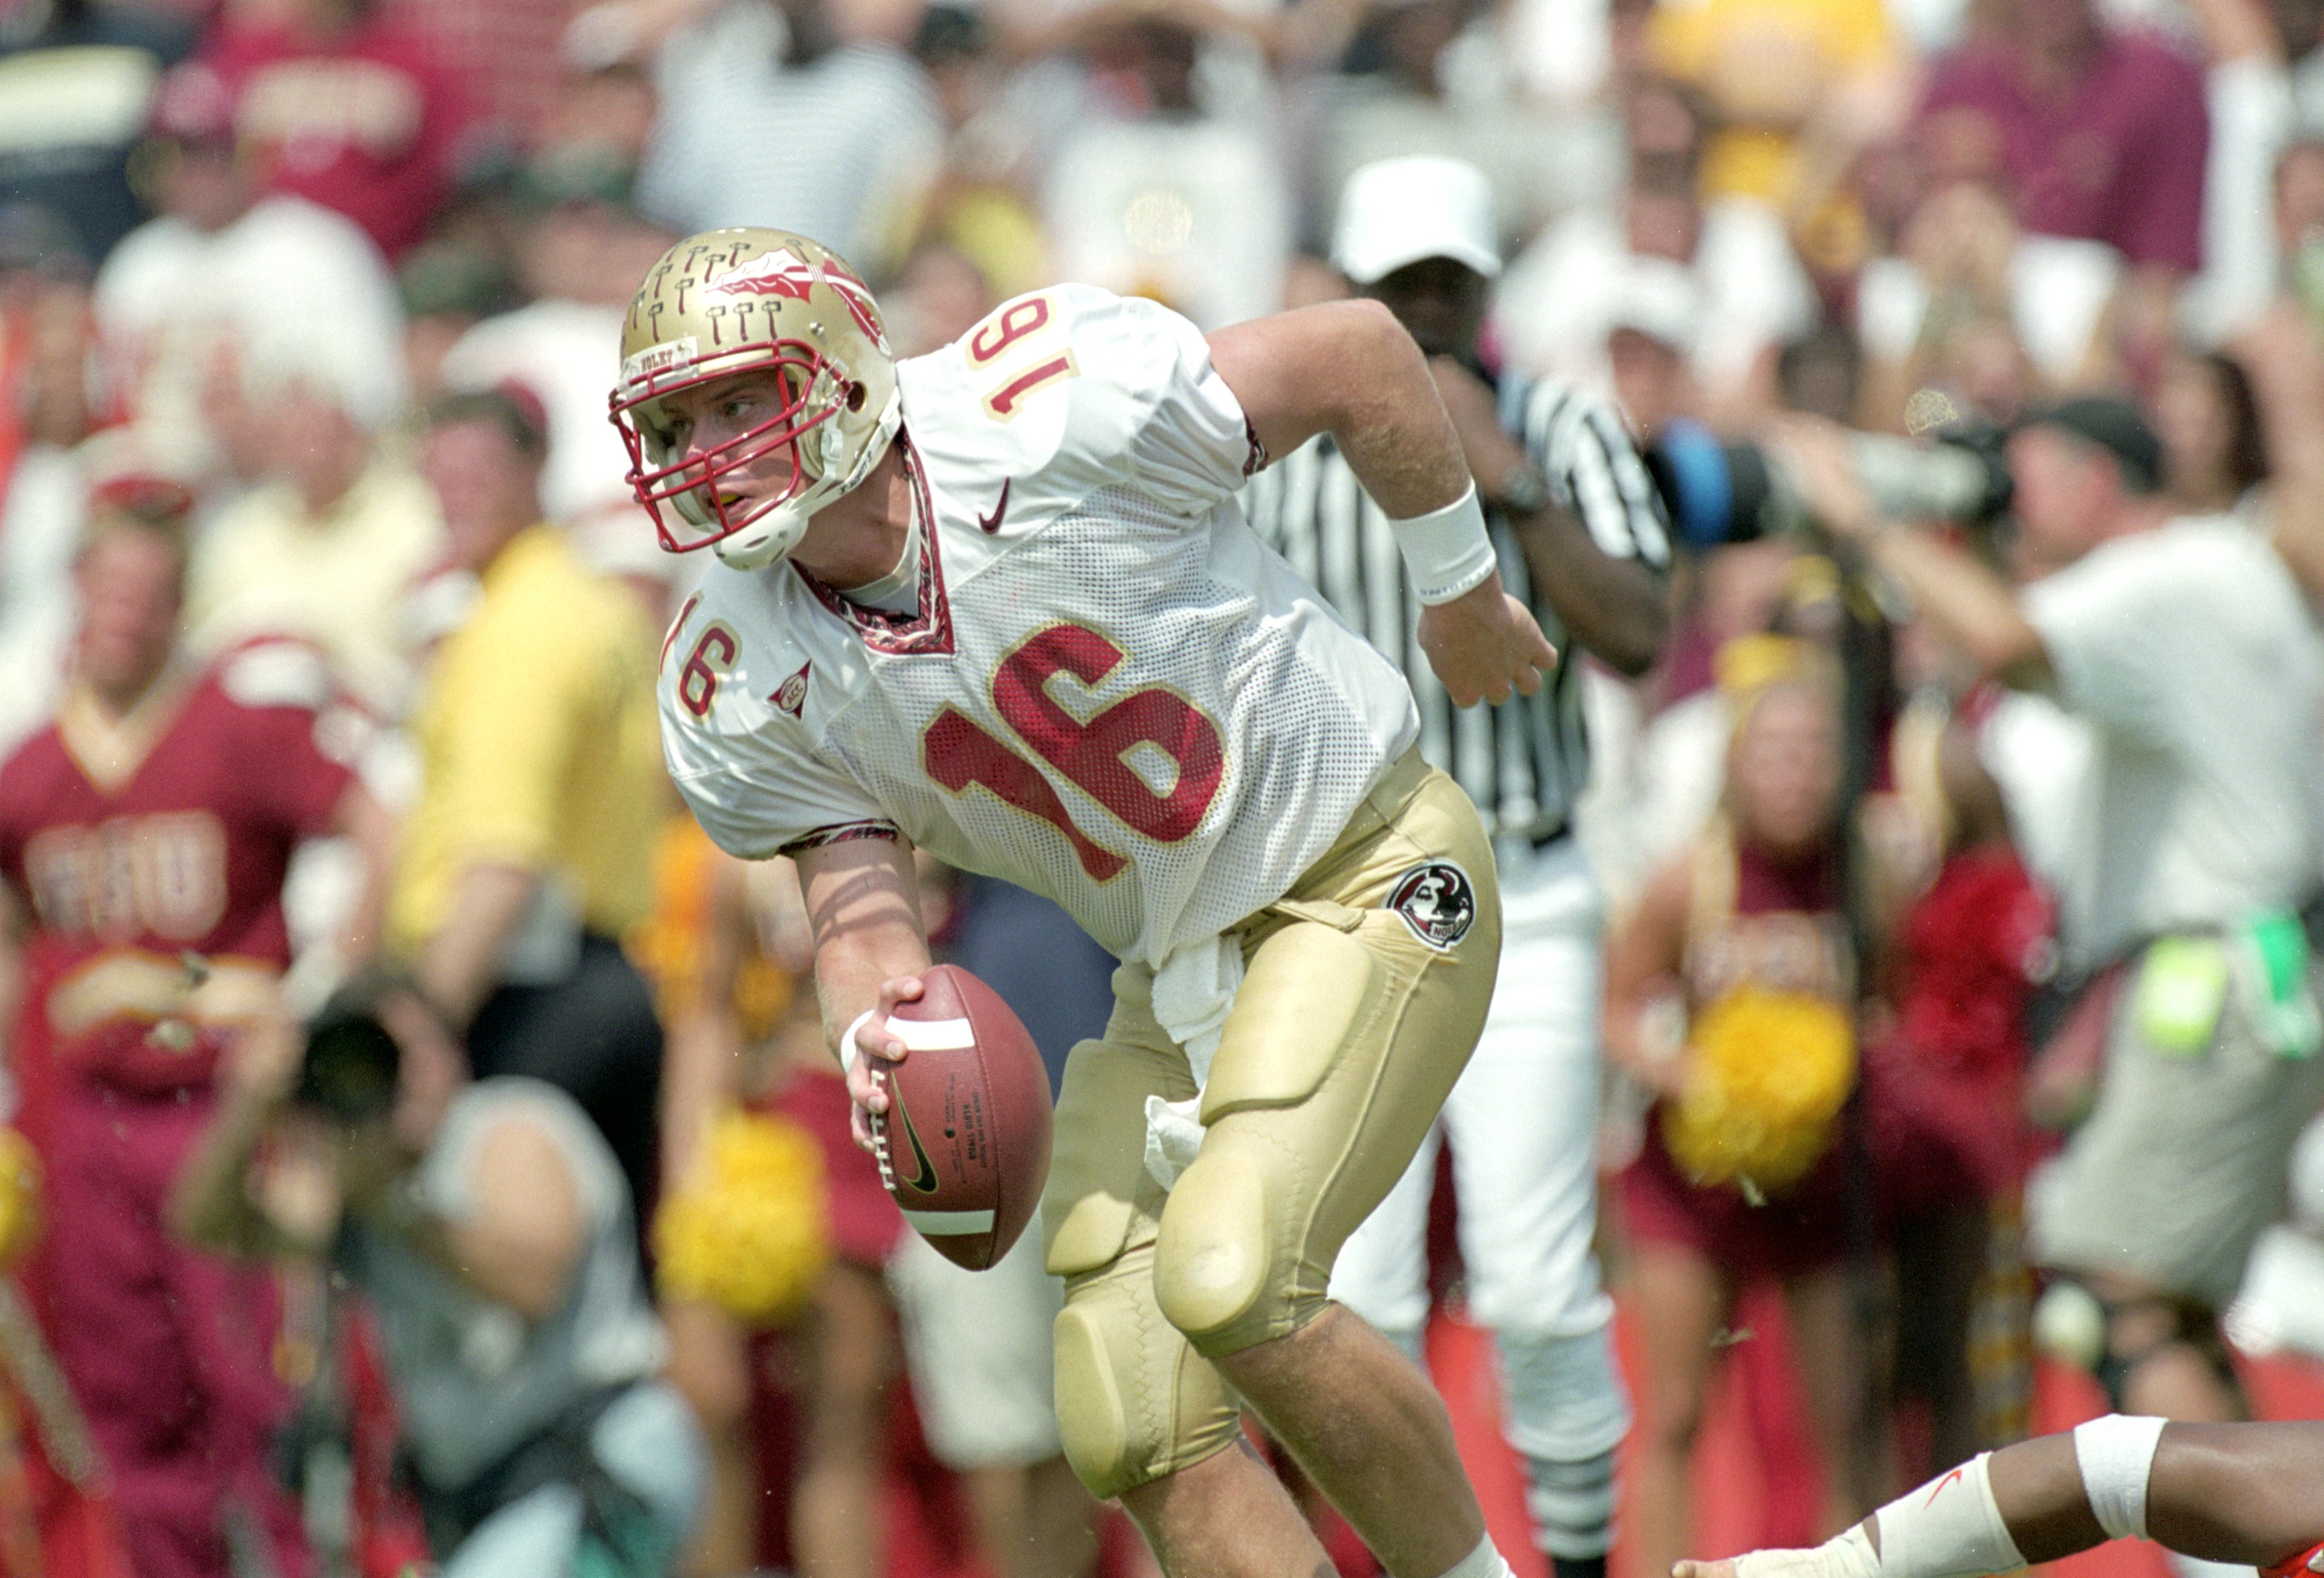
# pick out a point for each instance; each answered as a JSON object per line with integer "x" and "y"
{"x": 327, "y": 654}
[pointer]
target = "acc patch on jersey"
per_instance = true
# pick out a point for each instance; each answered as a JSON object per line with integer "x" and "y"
{"x": 1437, "y": 900}
{"x": 790, "y": 697}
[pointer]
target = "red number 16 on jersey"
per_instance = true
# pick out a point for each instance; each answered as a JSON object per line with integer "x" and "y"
{"x": 1093, "y": 756}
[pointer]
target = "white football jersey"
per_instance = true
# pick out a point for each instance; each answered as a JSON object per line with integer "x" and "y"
{"x": 1108, "y": 692}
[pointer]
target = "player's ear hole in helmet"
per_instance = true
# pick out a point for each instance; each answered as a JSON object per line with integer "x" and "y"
{"x": 753, "y": 301}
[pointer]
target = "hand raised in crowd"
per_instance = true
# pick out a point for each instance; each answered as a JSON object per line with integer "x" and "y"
{"x": 296, "y": 1185}
{"x": 1815, "y": 455}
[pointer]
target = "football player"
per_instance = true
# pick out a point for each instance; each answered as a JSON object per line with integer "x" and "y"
{"x": 1023, "y": 625}
{"x": 2234, "y": 1494}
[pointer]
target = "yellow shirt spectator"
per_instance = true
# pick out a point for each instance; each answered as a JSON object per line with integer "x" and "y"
{"x": 538, "y": 743}
{"x": 1766, "y": 67}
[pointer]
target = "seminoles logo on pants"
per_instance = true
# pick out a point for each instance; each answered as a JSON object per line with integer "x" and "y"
{"x": 1436, "y": 900}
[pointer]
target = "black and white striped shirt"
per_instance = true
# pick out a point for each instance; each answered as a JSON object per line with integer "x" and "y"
{"x": 1525, "y": 761}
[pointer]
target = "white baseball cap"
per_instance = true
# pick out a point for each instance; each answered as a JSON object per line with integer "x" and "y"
{"x": 1397, "y": 211}
{"x": 1658, "y": 299}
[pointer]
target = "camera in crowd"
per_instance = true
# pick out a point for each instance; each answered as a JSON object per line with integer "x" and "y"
{"x": 349, "y": 1071}
{"x": 1720, "y": 491}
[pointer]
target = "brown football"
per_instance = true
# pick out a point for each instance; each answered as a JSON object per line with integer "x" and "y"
{"x": 964, "y": 1144}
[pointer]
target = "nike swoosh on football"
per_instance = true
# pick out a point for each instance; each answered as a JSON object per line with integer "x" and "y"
{"x": 925, "y": 1180}
{"x": 989, "y": 524}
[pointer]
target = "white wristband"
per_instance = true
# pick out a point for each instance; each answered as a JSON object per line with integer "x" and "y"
{"x": 847, "y": 1041}
{"x": 1447, "y": 551}
{"x": 2117, "y": 1455}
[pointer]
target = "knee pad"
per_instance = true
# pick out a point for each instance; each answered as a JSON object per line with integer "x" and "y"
{"x": 1564, "y": 1402}
{"x": 1215, "y": 1273}
{"x": 1132, "y": 1405}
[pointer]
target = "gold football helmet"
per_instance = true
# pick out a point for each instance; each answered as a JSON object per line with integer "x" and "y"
{"x": 753, "y": 300}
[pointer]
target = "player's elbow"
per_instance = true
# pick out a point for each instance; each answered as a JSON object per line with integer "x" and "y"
{"x": 1376, "y": 334}
{"x": 1368, "y": 348}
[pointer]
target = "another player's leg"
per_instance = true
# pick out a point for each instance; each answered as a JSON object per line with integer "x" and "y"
{"x": 1523, "y": 1129}
{"x": 2240, "y": 1494}
{"x": 710, "y": 1366}
{"x": 2165, "y": 1355}
{"x": 1032, "y": 1520}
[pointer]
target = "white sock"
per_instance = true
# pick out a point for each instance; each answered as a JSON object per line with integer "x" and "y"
{"x": 1948, "y": 1528}
{"x": 1484, "y": 1561}
{"x": 2115, "y": 1455}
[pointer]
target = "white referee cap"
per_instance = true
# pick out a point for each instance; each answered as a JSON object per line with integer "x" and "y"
{"x": 1397, "y": 211}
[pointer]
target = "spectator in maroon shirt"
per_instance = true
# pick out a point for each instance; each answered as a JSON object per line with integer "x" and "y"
{"x": 347, "y": 108}
{"x": 2101, "y": 135}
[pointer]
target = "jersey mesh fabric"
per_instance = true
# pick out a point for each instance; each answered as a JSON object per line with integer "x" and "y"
{"x": 1215, "y": 622}
{"x": 1228, "y": 663}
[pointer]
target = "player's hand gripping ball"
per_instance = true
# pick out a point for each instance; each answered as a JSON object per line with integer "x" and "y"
{"x": 963, "y": 1146}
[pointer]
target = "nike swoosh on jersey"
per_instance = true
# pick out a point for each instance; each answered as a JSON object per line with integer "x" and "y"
{"x": 925, "y": 1179}
{"x": 989, "y": 524}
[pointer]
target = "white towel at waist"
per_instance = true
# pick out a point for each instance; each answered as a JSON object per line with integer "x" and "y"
{"x": 1192, "y": 991}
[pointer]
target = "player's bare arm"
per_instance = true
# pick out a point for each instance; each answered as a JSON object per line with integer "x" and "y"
{"x": 863, "y": 903}
{"x": 1616, "y": 606}
{"x": 2234, "y": 1493}
{"x": 1348, "y": 368}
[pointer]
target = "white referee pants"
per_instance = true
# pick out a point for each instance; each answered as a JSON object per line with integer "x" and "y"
{"x": 1523, "y": 1121}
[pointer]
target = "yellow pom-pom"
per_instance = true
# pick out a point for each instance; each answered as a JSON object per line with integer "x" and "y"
{"x": 20, "y": 1199}
{"x": 1768, "y": 1073}
{"x": 749, "y": 1230}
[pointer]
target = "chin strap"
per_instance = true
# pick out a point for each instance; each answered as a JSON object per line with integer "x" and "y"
{"x": 778, "y": 531}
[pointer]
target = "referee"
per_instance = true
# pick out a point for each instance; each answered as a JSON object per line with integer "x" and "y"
{"x": 1584, "y": 539}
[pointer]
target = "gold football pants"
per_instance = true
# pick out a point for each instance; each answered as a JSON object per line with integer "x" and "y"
{"x": 1364, "y": 990}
